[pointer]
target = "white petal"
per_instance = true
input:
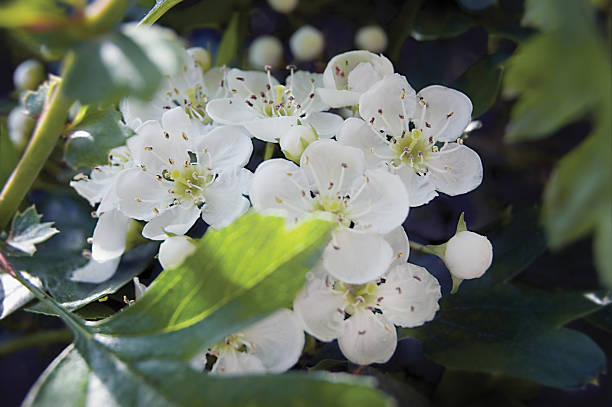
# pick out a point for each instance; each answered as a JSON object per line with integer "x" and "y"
{"x": 213, "y": 78}
{"x": 277, "y": 341}
{"x": 338, "y": 69}
{"x": 274, "y": 188}
{"x": 447, "y": 113}
{"x": 223, "y": 199}
{"x": 177, "y": 123}
{"x": 139, "y": 288}
{"x": 302, "y": 85}
{"x": 96, "y": 272}
{"x": 320, "y": 309}
{"x": 420, "y": 188}
{"x": 398, "y": 239}
{"x": 232, "y": 363}
{"x": 109, "y": 236}
{"x": 362, "y": 77}
{"x": 368, "y": 338}
{"x": 456, "y": 169}
{"x": 270, "y": 129}
{"x": 357, "y": 133}
{"x": 331, "y": 167}
{"x": 388, "y": 105}
{"x": 139, "y": 194}
{"x": 410, "y": 295}
{"x": 243, "y": 84}
{"x": 176, "y": 220}
{"x": 326, "y": 124}
{"x": 337, "y": 98}
{"x": 174, "y": 250}
{"x": 231, "y": 111}
{"x": 357, "y": 258}
{"x": 158, "y": 148}
{"x": 468, "y": 255}
{"x": 228, "y": 146}
{"x": 379, "y": 202}
{"x": 296, "y": 140}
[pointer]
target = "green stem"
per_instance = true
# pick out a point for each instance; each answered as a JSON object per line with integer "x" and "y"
{"x": 36, "y": 339}
{"x": 436, "y": 250}
{"x": 160, "y": 8}
{"x": 101, "y": 15}
{"x": 269, "y": 150}
{"x": 44, "y": 139}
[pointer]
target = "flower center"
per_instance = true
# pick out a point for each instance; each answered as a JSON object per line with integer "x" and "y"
{"x": 232, "y": 342}
{"x": 357, "y": 297}
{"x": 336, "y": 205}
{"x": 189, "y": 183}
{"x": 193, "y": 101}
{"x": 412, "y": 149}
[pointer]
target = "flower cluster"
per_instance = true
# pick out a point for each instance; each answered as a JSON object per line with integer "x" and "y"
{"x": 383, "y": 149}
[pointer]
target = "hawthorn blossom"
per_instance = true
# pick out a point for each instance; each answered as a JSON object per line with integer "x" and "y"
{"x": 109, "y": 236}
{"x": 362, "y": 316}
{"x": 180, "y": 175}
{"x": 269, "y": 110}
{"x": 271, "y": 345}
{"x": 350, "y": 74}
{"x": 191, "y": 89}
{"x": 174, "y": 250}
{"x": 332, "y": 180}
{"x": 416, "y": 136}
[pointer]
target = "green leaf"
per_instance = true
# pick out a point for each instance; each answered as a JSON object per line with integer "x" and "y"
{"x": 34, "y": 101}
{"x": 477, "y": 5}
{"x": 28, "y": 13}
{"x": 439, "y": 20}
{"x": 69, "y": 380}
{"x": 27, "y": 231}
{"x": 13, "y": 295}
{"x": 401, "y": 28}
{"x": 129, "y": 62}
{"x": 159, "y": 9}
{"x": 551, "y": 97}
{"x": 237, "y": 275}
{"x": 577, "y": 196}
{"x": 602, "y": 245}
{"x": 228, "y": 48}
{"x": 99, "y": 131}
{"x": 482, "y": 82}
{"x": 507, "y": 330}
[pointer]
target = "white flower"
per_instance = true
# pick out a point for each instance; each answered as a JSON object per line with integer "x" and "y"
{"x": 269, "y": 110}
{"x": 417, "y": 137}
{"x": 180, "y": 176}
{"x": 109, "y": 235}
{"x": 174, "y": 250}
{"x": 265, "y": 50}
{"x": 191, "y": 89}
{"x": 271, "y": 345}
{"x": 306, "y": 43}
{"x": 362, "y": 317}
{"x": 371, "y": 38}
{"x": 201, "y": 57}
{"x": 283, "y": 6}
{"x": 139, "y": 288}
{"x": 468, "y": 255}
{"x": 348, "y": 75}
{"x": 332, "y": 180}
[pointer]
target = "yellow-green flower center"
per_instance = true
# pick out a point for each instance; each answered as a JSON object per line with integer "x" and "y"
{"x": 412, "y": 149}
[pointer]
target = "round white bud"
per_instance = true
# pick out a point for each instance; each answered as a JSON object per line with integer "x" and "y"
{"x": 29, "y": 74}
{"x": 265, "y": 50}
{"x": 174, "y": 250}
{"x": 283, "y": 6}
{"x": 468, "y": 255}
{"x": 20, "y": 126}
{"x": 306, "y": 43}
{"x": 295, "y": 141}
{"x": 371, "y": 38}
{"x": 201, "y": 56}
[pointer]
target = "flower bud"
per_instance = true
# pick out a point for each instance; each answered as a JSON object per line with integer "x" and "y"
{"x": 468, "y": 255}
{"x": 283, "y": 6}
{"x": 28, "y": 75}
{"x": 20, "y": 126}
{"x": 306, "y": 43}
{"x": 174, "y": 250}
{"x": 265, "y": 50}
{"x": 296, "y": 140}
{"x": 201, "y": 56}
{"x": 139, "y": 288}
{"x": 371, "y": 38}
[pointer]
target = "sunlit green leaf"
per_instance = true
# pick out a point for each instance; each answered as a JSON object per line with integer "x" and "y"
{"x": 27, "y": 231}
